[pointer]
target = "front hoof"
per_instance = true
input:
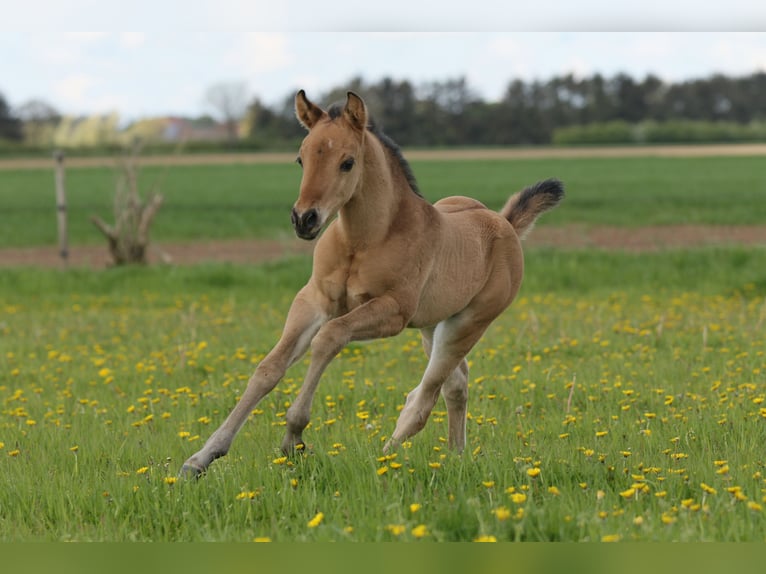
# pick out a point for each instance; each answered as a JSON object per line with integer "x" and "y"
{"x": 189, "y": 471}
{"x": 289, "y": 448}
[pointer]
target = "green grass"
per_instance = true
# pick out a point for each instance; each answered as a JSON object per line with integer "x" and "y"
{"x": 237, "y": 201}
{"x": 626, "y": 379}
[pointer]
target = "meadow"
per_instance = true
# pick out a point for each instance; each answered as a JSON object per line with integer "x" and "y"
{"x": 620, "y": 398}
{"x": 206, "y": 202}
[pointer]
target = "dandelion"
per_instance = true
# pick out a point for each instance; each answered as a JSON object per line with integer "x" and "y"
{"x": 396, "y": 529}
{"x": 142, "y": 470}
{"x": 629, "y": 493}
{"x": 74, "y": 448}
{"x": 171, "y": 480}
{"x": 707, "y": 489}
{"x": 414, "y": 507}
{"x": 554, "y": 491}
{"x": 611, "y": 538}
{"x": 502, "y": 513}
{"x": 488, "y": 483}
{"x": 434, "y": 465}
{"x": 518, "y": 498}
{"x": 261, "y": 539}
{"x": 533, "y": 472}
{"x": 317, "y": 520}
{"x": 420, "y": 531}
{"x": 754, "y": 506}
{"x": 15, "y": 452}
{"x": 485, "y": 538}
{"x": 382, "y": 470}
{"x": 280, "y": 460}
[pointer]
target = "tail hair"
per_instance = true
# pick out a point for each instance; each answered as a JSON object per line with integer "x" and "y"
{"x": 524, "y": 207}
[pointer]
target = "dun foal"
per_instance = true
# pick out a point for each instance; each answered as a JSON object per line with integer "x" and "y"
{"x": 389, "y": 260}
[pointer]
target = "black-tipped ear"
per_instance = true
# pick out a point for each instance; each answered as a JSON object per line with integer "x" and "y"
{"x": 355, "y": 111}
{"x": 307, "y": 113}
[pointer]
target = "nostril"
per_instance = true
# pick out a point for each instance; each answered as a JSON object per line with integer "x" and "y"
{"x": 294, "y": 217}
{"x": 310, "y": 218}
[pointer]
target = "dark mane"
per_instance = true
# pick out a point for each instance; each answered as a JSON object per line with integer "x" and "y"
{"x": 335, "y": 112}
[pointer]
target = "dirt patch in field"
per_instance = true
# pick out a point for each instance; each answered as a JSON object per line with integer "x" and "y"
{"x": 250, "y": 251}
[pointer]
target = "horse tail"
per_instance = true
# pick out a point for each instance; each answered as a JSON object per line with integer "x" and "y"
{"x": 524, "y": 207}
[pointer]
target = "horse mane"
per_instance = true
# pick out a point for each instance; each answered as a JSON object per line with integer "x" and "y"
{"x": 336, "y": 110}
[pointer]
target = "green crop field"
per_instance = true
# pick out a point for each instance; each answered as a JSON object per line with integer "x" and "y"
{"x": 242, "y": 201}
{"x": 620, "y": 398}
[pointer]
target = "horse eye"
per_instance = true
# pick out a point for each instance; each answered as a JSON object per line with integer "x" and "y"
{"x": 347, "y": 165}
{"x": 299, "y": 161}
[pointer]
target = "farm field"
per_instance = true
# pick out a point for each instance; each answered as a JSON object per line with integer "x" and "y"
{"x": 222, "y": 202}
{"x": 620, "y": 398}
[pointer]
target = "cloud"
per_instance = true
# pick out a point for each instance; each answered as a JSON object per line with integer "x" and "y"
{"x": 258, "y": 53}
{"x": 132, "y": 39}
{"x": 72, "y": 90}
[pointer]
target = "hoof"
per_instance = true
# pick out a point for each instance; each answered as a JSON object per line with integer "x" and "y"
{"x": 291, "y": 449}
{"x": 190, "y": 471}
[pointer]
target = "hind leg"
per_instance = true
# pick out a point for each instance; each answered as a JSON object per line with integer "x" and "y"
{"x": 451, "y": 340}
{"x": 455, "y": 393}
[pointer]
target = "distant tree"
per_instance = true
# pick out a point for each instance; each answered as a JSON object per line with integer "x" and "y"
{"x": 39, "y": 120}
{"x": 10, "y": 125}
{"x": 229, "y": 102}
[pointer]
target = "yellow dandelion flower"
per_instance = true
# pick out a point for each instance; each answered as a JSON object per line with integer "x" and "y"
{"x": 142, "y": 470}
{"x": 74, "y": 448}
{"x": 382, "y": 470}
{"x": 708, "y": 489}
{"x": 554, "y": 491}
{"x": 396, "y": 529}
{"x": 396, "y": 465}
{"x": 518, "y": 498}
{"x": 280, "y": 460}
{"x": 434, "y": 465}
{"x": 533, "y": 472}
{"x": 261, "y": 539}
{"x": 638, "y": 520}
{"x": 414, "y": 507}
{"x": 170, "y": 480}
{"x": 317, "y": 520}
{"x": 611, "y": 538}
{"x": 15, "y": 452}
{"x": 294, "y": 482}
{"x": 485, "y": 538}
{"x": 502, "y": 513}
{"x": 667, "y": 518}
{"x": 754, "y": 506}
{"x": 488, "y": 483}
{"x": 629, "y": 493}
{"x": 420, "y": 531}
{"x": 602, "y": 433}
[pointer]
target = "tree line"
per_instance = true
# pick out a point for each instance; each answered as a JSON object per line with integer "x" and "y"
{"x": 562, "y": 109}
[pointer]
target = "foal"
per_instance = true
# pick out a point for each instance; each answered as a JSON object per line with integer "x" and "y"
{"x": 390, "y": 260}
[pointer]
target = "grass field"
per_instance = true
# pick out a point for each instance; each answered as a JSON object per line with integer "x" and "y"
{"x": 621, "y": 397}
{"x": 241, "y": 201}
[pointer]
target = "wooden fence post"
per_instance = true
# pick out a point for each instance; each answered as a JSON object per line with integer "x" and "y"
{"x": 61, "y": 206}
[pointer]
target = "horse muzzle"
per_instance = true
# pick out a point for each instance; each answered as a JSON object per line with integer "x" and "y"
{"x": 307, "y": 225}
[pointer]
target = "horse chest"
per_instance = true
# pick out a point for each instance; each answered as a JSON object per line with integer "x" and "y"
{"x": 346, "y": 290}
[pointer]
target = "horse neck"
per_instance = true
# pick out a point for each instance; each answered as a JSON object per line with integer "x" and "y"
{"x": 368, "y": 216}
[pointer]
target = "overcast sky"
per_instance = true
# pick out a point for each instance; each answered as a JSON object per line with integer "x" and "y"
{"x": 166, "y": 70}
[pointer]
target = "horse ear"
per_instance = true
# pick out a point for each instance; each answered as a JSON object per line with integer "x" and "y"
{"x": 307, "y": 113}
{"x": 355, "y": 111}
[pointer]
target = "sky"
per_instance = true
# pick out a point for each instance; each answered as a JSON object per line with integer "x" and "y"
{"x": 167, "y": 69}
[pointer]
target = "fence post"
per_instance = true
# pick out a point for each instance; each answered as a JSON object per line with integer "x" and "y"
{"x": 61, "y": 214}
